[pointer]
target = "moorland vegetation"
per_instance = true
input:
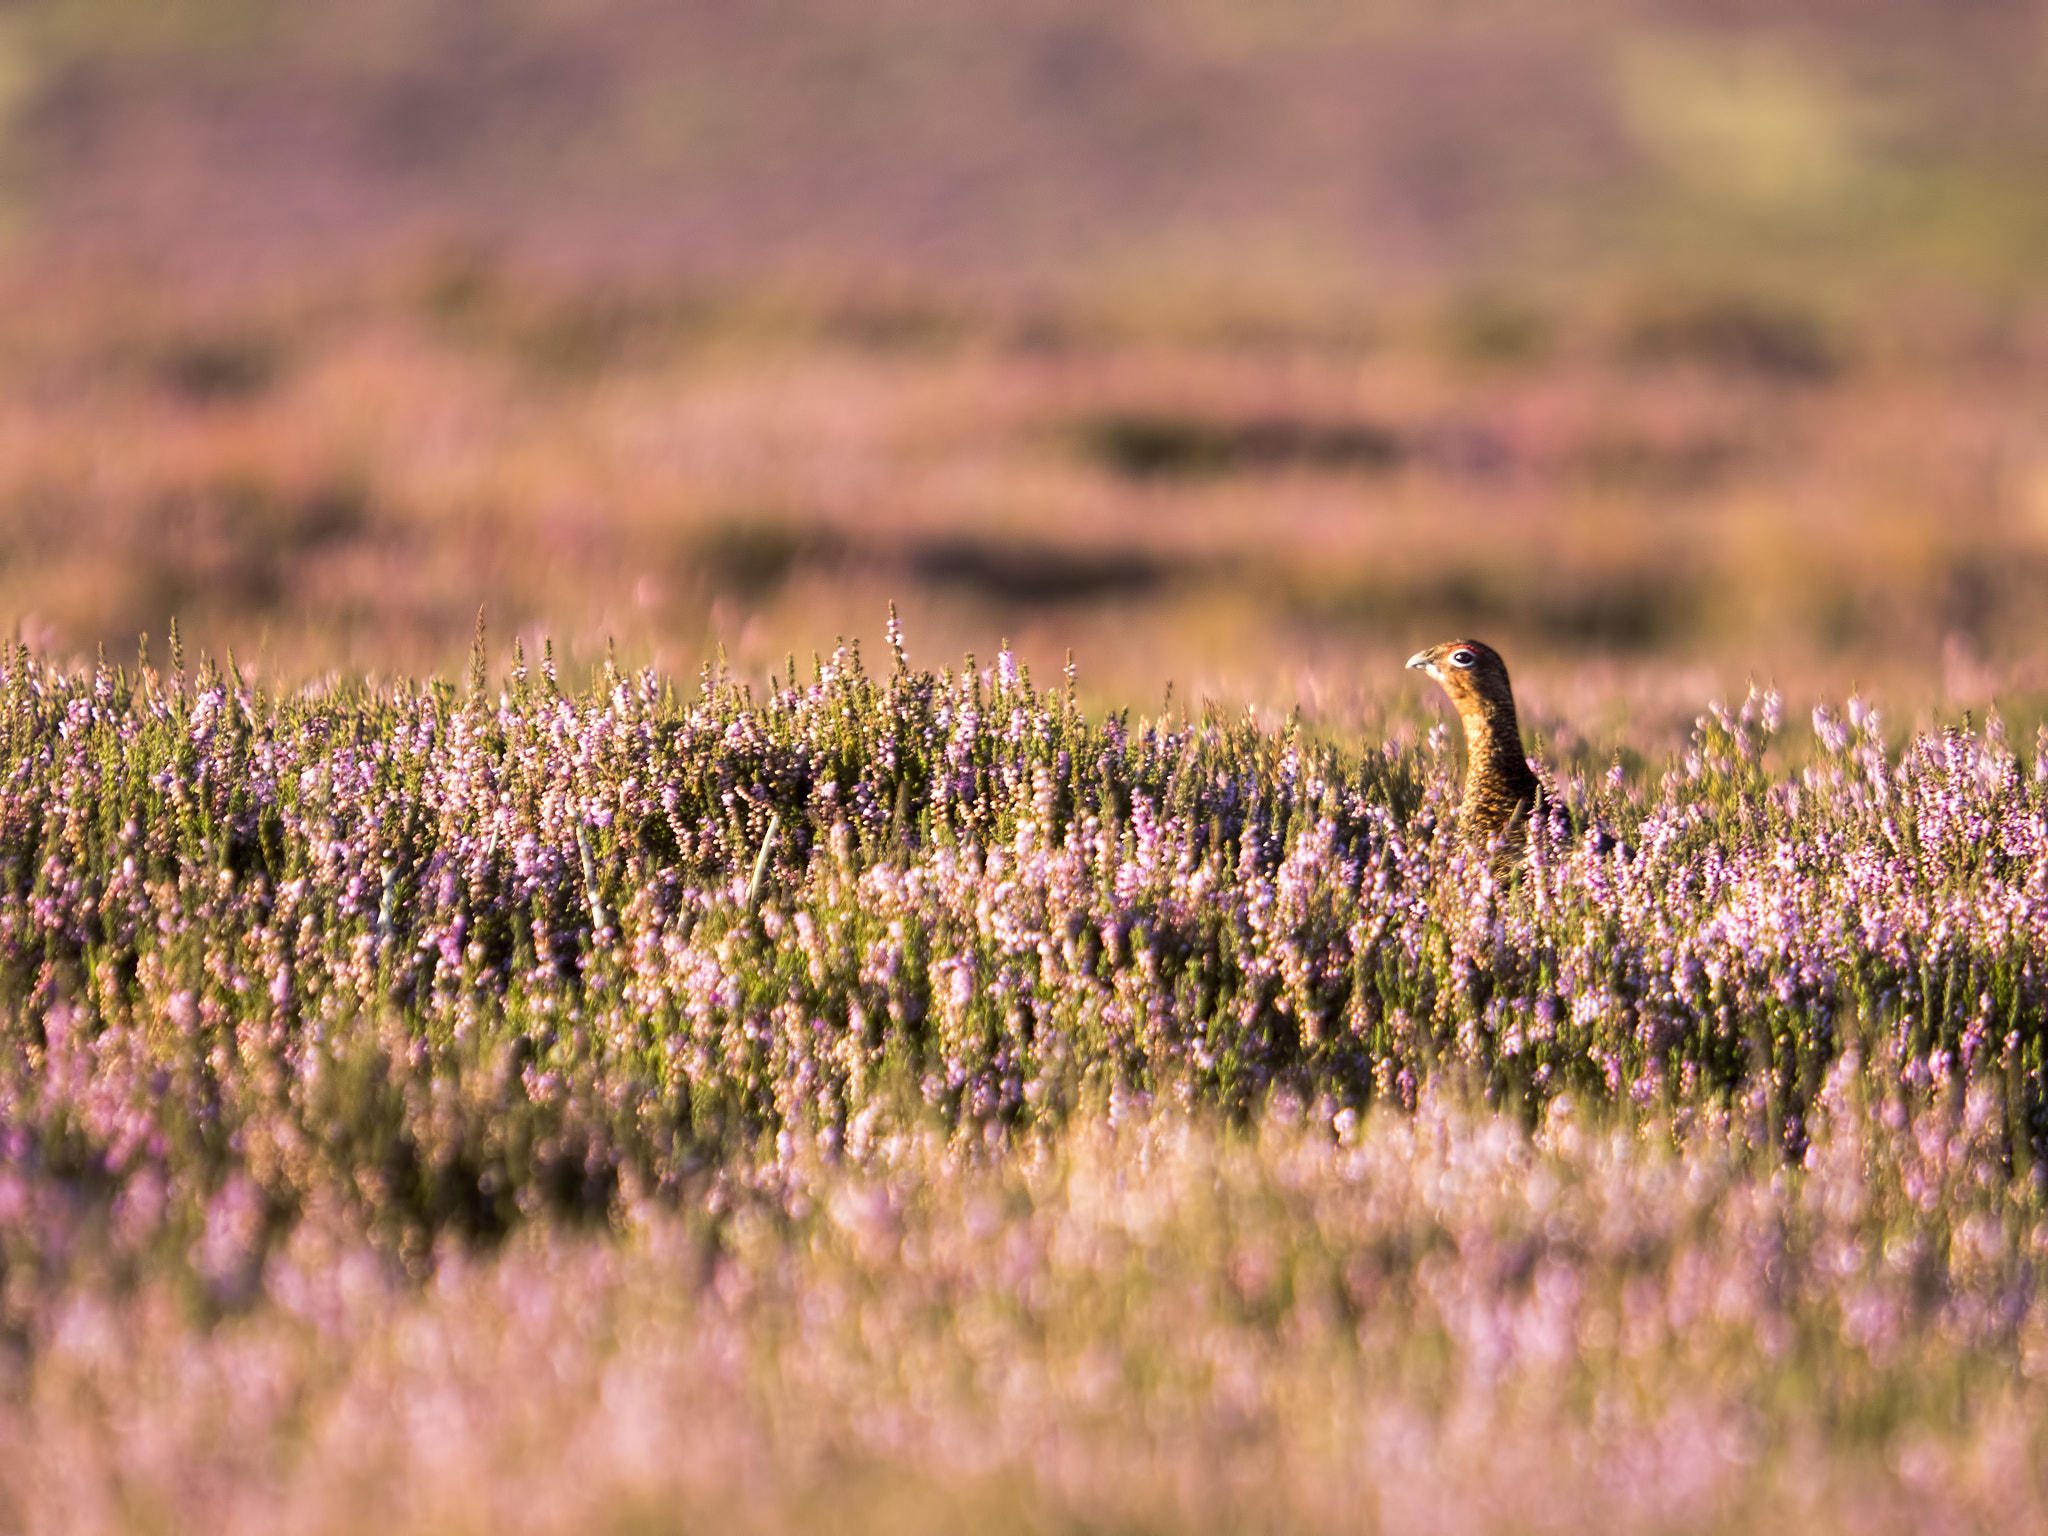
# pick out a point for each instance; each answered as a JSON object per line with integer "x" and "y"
{"x": 517, "y": 1105}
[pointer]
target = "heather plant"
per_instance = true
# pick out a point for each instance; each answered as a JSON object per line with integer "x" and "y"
{"x": 905, "y": 1077}
{"x": 615, "y": 931}
{"x": 1414, "y": 1321}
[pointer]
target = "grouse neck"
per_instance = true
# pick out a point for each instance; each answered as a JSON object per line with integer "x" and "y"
{"x": 1493, "y": 738}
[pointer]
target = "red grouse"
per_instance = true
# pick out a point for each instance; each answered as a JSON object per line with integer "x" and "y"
{"x": 1500, "y": 789}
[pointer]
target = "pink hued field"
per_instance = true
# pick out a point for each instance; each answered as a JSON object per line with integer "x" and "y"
{"x": 709, "y": 817}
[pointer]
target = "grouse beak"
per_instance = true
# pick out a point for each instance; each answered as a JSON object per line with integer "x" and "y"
{"x": 1421, "y": 659}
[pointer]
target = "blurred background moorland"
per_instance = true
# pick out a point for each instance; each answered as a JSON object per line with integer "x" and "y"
{"x": 1245, "y": 348}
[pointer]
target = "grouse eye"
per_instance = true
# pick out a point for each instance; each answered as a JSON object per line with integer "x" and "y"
{"x": 1461, "y": 657}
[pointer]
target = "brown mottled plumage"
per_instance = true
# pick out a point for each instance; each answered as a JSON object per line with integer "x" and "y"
{"x": 1500, "y": 789}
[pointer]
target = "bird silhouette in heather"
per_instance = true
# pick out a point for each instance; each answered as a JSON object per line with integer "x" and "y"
{"x": 1501, "y": 790}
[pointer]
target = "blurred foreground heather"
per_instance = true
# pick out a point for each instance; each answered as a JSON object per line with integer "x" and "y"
{"x": 504, "y": 1106}
{"x": 1425, "y": 1322}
